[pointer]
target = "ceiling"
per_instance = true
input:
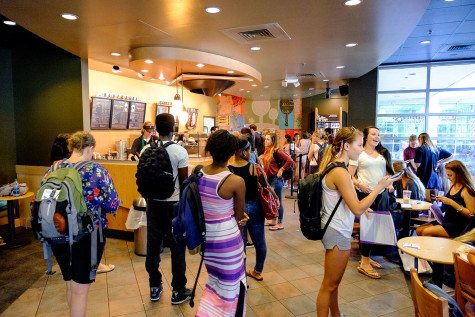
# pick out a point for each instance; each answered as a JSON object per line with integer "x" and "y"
{"x": 317, "y": 33}
{"x": 444, "y": 24}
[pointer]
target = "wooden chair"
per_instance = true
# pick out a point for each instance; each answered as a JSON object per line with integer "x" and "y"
{"x": 464, "y": 284}
{"x": 426, "y": 304}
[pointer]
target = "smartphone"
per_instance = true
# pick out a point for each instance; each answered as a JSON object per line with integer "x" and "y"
{"x": 395, "y": 175}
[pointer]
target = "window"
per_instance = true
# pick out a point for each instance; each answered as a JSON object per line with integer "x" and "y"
{"x": 437, "y": 98}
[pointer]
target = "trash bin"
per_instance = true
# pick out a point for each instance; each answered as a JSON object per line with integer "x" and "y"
{"x": 140, "y": 234}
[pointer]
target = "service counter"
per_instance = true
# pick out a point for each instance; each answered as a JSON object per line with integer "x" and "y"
{"x": 122, "y": 173}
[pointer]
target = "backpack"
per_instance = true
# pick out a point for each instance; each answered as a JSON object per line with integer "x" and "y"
{"x": 60, "y": 214}
{"x": 454, "y": 309}
{"x": 189, "y": 226}
{"x": 309, "y": 195}
{"x": 321, "y": 151}
{"x": 286, "y": 174}
{"x": 155, "y": 172}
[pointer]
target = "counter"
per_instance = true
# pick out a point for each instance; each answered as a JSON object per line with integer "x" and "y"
{"x": 122, "y": 173}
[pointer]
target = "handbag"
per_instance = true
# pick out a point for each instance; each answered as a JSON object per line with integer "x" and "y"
{"x": 266, "y": 198}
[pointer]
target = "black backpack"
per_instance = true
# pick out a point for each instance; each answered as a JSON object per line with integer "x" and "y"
{"x": 155, "y": 172}
{"x": 286, "y": 174}
{"x": 310, "y": 202}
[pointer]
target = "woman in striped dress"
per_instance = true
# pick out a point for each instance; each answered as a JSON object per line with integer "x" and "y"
{"x": 222, "y": 196}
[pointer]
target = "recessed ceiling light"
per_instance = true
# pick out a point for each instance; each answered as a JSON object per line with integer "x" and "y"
{"x": 69, "y": 16}
{"x": 230, "y": 71}
{"x": 200, "y": 65}
{"x": 251, "y": 79}
{"x": 311, "y": 88}
{"x": 340, "y": 67}
{"x": 248, "y": 91}
{"x": 325, "y": 80}
{"x": 115, "y": 54}
{"x": 149, "y": 61}
{"x": 161, "y": 77}
{"x": 167, "y": 82}
{"x": 254, "y": 85}
{"x": 425, "y": 42}
{"x": 449, "y": 0}
{"x": 140, "y": 75}
{"x": 213, "y": 9}
{"x": 262, "y": 95}
{"x": 352, "y": 2}
{"x": 241, "y": 89}
{"x": 295, "y": 95}
{"x": 9, "y": 22}
{"x": 351, "y": 44}
{"x": 412, "y": 74}
{"x": 144, "y": 71}
{"x": 266, "y": 86}
{"x": 255, "y": 48}
{"x": 152, "y": 78}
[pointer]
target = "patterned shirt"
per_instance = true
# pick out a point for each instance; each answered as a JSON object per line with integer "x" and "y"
{"x": 97, "y": 186}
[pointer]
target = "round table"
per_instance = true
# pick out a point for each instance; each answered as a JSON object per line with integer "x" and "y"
{"x": 432, "y": 249}
{"x": 11, "y": 219}
{"x": 416, "y": 204}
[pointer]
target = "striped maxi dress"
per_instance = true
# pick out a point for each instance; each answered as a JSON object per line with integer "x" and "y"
{"x": 223, "y": 256}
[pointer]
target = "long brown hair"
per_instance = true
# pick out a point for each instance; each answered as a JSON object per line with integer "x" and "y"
{"x": 345, "y": 135}
{"x": 462, "y": 175}
{"x": 424, "y": 139}
{"x": 269, "y": 151}
{"x": 401, "y": 166}
{"x": 381, "y": 149}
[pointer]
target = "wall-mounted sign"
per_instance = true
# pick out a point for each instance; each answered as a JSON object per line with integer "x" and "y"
{"x": 120, "y": 114}
{"x": 137, "y": 114}
{"x": 192, "y": 118}
{"x": 100, "y": 113}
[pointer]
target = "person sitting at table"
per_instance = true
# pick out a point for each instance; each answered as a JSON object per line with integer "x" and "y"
{"x": 408, "y": 181}
{"x": 459, "y": 204}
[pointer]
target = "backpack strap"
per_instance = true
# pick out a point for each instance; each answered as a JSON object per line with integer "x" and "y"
{"x": 222, "y": 182}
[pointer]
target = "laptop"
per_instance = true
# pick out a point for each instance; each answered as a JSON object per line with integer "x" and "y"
{"x": 435, "y": 209}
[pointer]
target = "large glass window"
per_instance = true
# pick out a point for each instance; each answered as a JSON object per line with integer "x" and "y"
{"x": 443, "y": 106}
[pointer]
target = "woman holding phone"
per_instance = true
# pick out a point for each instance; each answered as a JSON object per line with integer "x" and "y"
{"x": 347, "y": 145}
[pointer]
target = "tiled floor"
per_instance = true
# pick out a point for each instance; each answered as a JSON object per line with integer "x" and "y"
{"x": 292, "y": 277}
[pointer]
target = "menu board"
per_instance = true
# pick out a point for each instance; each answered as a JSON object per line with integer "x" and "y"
{"x": 100, "y": 113}
{"x": 120, "y": 114}
{"x": 137, "y": 114}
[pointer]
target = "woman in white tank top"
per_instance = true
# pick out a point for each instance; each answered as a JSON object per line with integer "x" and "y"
{"x": 348, "y": 144}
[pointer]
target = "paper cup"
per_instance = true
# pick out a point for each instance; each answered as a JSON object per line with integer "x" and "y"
{"x": 406, "y": 196}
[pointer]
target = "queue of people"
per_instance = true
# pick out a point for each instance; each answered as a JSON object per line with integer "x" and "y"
{"x": 232, "y": 211}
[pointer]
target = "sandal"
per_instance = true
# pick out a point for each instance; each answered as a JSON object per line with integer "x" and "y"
{"x": 374, "y": 264}
{"x": 268, "y": 224}
{"x": 111, "y": 268}
{"x": 254, "y": 275}
{"x": 275, "y": 228}
{"x": 369, "y": 273}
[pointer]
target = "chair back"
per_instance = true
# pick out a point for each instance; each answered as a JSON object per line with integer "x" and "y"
{"x": 464, "y": 282}
{"x": 426, "y": 304}
{"x": 431, "y": 194}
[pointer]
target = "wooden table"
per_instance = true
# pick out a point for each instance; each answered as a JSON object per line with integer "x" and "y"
{"x": 416, "y": 204}
{"x": 11, "y": 219}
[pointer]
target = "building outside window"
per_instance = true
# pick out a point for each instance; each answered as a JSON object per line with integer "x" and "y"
{"x": 437, "y": 98}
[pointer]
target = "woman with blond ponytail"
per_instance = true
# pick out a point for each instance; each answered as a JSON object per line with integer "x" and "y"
{"x": 347, "y": 144}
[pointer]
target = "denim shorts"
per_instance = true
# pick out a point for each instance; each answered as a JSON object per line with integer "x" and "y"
{"x": 333, "y": 237}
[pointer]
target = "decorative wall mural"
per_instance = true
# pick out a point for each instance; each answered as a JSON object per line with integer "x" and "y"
{"x": 230, "y": 112}
{"x": 273, "y": 114}
{"x": 192, "y": 118}
{"x": 286, "y": 114}
{"x": 260, "y": 108}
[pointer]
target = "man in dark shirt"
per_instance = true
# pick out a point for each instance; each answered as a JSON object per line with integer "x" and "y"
{"x": 329, "y": 134}
{"x": 258, "y": 143}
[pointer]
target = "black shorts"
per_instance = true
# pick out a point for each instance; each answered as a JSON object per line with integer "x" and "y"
{"x": 80, "y": 266}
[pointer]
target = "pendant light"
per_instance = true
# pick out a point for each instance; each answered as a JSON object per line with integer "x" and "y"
{"x": 177, "y": 100}
{"x": 183, "y": 114}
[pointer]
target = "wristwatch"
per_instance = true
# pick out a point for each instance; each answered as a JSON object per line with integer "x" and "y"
{"x": 459, "y": 209}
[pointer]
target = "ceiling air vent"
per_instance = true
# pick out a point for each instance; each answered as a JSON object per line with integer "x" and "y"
{"x": 257, "y": 33}
{"x": 306, "y": 75}
{"x": 457, "y": 48}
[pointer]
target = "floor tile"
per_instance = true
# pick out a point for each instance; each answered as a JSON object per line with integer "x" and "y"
{"x": 283, "y": 290}
{"x": 259, "y": 296}
{"x": 299, "y": 305}
{"x": 123, "y": 306}
{"x": 271, "y": 309}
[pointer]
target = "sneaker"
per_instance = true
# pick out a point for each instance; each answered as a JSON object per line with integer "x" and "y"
{"x": 249, "y": 245}
{"x": 181, "y": 296}
{"x": 155, "y": 293}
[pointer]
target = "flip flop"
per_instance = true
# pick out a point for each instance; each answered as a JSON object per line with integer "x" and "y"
{"x": 111, "y": 268}
{"x": 369, "y": 273}
{"x": 268, "y": 224}
{"x": 257, "y": 277}
{"x": 374, "y": 264}
{"x": 275, "y": 228}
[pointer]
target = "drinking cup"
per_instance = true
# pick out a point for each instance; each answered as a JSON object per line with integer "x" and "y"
{"x": 406, "y": 196}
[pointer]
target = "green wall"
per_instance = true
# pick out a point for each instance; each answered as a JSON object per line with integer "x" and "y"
{"x": 48, "y": 100}
{"x": 40, "y": 96}
{"x": 362, "y": 100}
{"x": 7, "y": 113}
